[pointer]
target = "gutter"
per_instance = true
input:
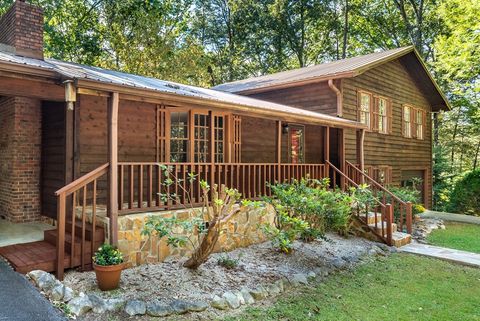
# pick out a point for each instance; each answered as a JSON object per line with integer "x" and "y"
{"x": 339, "y": 97}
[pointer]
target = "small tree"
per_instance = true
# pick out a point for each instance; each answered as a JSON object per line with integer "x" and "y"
{"x": 202, "y": 233}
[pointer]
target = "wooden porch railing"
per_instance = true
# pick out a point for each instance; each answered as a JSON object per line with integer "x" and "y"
{"x": 381, "y": 227}
{"x": 77, "y": 195}
{"x": 402, "y": 209}
{"x": 142, "y": 185}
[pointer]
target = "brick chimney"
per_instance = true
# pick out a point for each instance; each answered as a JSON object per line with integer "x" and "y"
{"x": 21, "y": 30}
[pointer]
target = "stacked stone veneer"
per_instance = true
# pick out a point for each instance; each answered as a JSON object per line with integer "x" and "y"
{"x": 243, "y": 230}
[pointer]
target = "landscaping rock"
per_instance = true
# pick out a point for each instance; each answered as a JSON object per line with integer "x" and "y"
{"x": 114, "y": 304}
{"x": 311, "y": 275}
{"x": 259, "y": 293}
{"x": 338, "y": 263}
{"x": 273, "y": 289}
{"x": 135, "y": 307}
{"x": 299, "y": 278}
{"x": 240, "y": 297}
{"x": 58, "y": 292}
{"x": 179, "y": 306}
{"x": 156, "y": 309}
{"x": 98, "y": 304}
{"x": 219, "y": 303}
{"x": 46, "y": 282}
{"x": 197, "y": 306}
{"x": 35, "y": 275}
{"x": 281, "y": 285}
{"x": 247, "y": 297}
{"x": 232, "y": 300}
{"x": 80, "y": 305}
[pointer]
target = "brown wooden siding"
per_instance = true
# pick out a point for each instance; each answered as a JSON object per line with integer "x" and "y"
{"x": 53, "y": 155}
{"x": 316, "y": 97}
{"x": 393, "y": 81}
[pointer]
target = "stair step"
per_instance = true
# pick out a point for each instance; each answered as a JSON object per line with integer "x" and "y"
{"x": 400, "y": 239}
{"x": 50, "y": 236}
{"x": 378, "y": 227}
{"x": 99, "y": 231}
{"x": 370, "y": 217}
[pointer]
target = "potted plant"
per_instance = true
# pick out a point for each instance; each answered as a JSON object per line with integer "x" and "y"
{"x": 108, "y": 266}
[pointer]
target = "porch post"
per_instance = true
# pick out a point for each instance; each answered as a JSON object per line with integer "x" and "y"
{"x": 326, "y": 150}
{"x": 360, "y": 152}
{"x": 113, "y": 169}
{"x": 279, "y": 150}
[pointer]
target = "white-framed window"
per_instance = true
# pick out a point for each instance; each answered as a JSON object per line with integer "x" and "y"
{"x": 383, "y": 115}
{"x": 365, "y": 108}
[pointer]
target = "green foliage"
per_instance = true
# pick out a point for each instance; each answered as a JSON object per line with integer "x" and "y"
{"x": 312, "y": 201}
{"x": 228, "y": 262}
{"x": 465, "y": 197}
{"x": 108, "y": 255}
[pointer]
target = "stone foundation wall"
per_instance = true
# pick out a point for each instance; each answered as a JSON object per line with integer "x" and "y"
{"x": 243, "y": 230}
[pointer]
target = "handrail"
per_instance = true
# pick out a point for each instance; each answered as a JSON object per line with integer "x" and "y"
{"x": 69, "y": 207}
{"x": 83, "y": 180}
{"x": 341, "y": 173}
{"x": 380, "y": 186}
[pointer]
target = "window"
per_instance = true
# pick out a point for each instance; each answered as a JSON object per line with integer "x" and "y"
{"x": 201, "y": 128}
{"x": 364, "y": 109}
{"x": 178, "y": 137}
{"x": 219, "y": 129}
{"x": 383, "y": 111}
{"x": 407, "y": 121}
{"x": 419, "y": 115}
{"x": 296, "y": 142}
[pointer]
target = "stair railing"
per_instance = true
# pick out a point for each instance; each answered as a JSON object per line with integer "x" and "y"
{"x": 73, "y": 199}
{"x": 383, "y": 227}
{"x": 402, "y": 209}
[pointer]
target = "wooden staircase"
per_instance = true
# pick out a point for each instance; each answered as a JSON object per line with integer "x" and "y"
{"x": 42, "y": 255}
{"x": 375, "y": 223}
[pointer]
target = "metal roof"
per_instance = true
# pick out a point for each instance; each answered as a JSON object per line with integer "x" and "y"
{"x": 73, "y": 71}
{"x": 334, "y": 69}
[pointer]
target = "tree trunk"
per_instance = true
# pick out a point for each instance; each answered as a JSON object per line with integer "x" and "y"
{"x": 475, "y": 160}
{"x": 203, "y": 251}
{"x": 345, "y": 31}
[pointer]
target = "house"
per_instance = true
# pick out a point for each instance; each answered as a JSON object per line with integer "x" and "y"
{"x": 82, "y": 146}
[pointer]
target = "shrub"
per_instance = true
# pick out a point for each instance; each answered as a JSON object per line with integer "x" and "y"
{"x": 108, "y": 255}
{"x": 311, "y": 201}
{"x": 465, "y": 197}
{"x": 228, "y": 262}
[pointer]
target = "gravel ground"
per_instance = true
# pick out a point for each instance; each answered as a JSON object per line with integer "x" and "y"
{"x": 259, "y": 264}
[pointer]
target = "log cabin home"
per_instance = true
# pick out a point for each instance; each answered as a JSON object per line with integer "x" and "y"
{"x": 81, "y": 145}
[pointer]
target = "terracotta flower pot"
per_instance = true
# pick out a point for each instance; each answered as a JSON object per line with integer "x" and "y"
{"x": 108, "y": 276}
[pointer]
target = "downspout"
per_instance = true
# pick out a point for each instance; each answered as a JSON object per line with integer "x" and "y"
{"x": 339, "y": 97}
{"x": 362, "y": 154}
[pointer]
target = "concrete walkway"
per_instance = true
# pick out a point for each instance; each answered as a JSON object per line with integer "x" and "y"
{"x": 20, "y": 301}
{"x": 451, "y": 217}
{"x": 16, "y": 233}
{"x": 452, "y": 255}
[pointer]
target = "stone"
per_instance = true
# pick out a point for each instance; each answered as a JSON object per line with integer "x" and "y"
{"x": 197, "y": 306}
{"x": 219, "y": 303}
{"x": 68, "y": 294}
{"x": 299, "y": 278}
{"x": 338, "y": 263}
{"x": 80, "y": 305}
{"x": 240, "y": 297}
{"x": 232, "y": 300}
{"x": 58, "y": 292}
{"x": 281, "y": 285}
{"x": 98, "y": 304}
{"x": 273, "y": 289}
{"x": 247, "y": 297}
{"x": 179, "y": 306}
{"x": 35, "y": 275}
{"x": 135, "y": 307}
{"x": 114, "y": 304}
{"x": 259, "y": 293}
{"x": 46, "y": 282}
{"x": 311, "y": 275}
{"x": 156, "y": 309}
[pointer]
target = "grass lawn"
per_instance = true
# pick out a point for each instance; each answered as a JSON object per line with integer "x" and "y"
{"x": 459, "y": 236}
{"x": 402, "y": 287}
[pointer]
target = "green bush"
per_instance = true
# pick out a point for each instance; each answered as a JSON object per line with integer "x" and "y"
{"x": 311, "y": 201}
{"x": 465, "y": 197}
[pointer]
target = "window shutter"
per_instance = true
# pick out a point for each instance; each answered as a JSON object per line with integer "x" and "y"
{"x": 403, "y": 120}
{"x": 389, "y": 116}
{"x": 374, "y": 113}
{"x": 237, "y": 139}
{"x": 359, "y": 102}
{"x": 424, "y": 123}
